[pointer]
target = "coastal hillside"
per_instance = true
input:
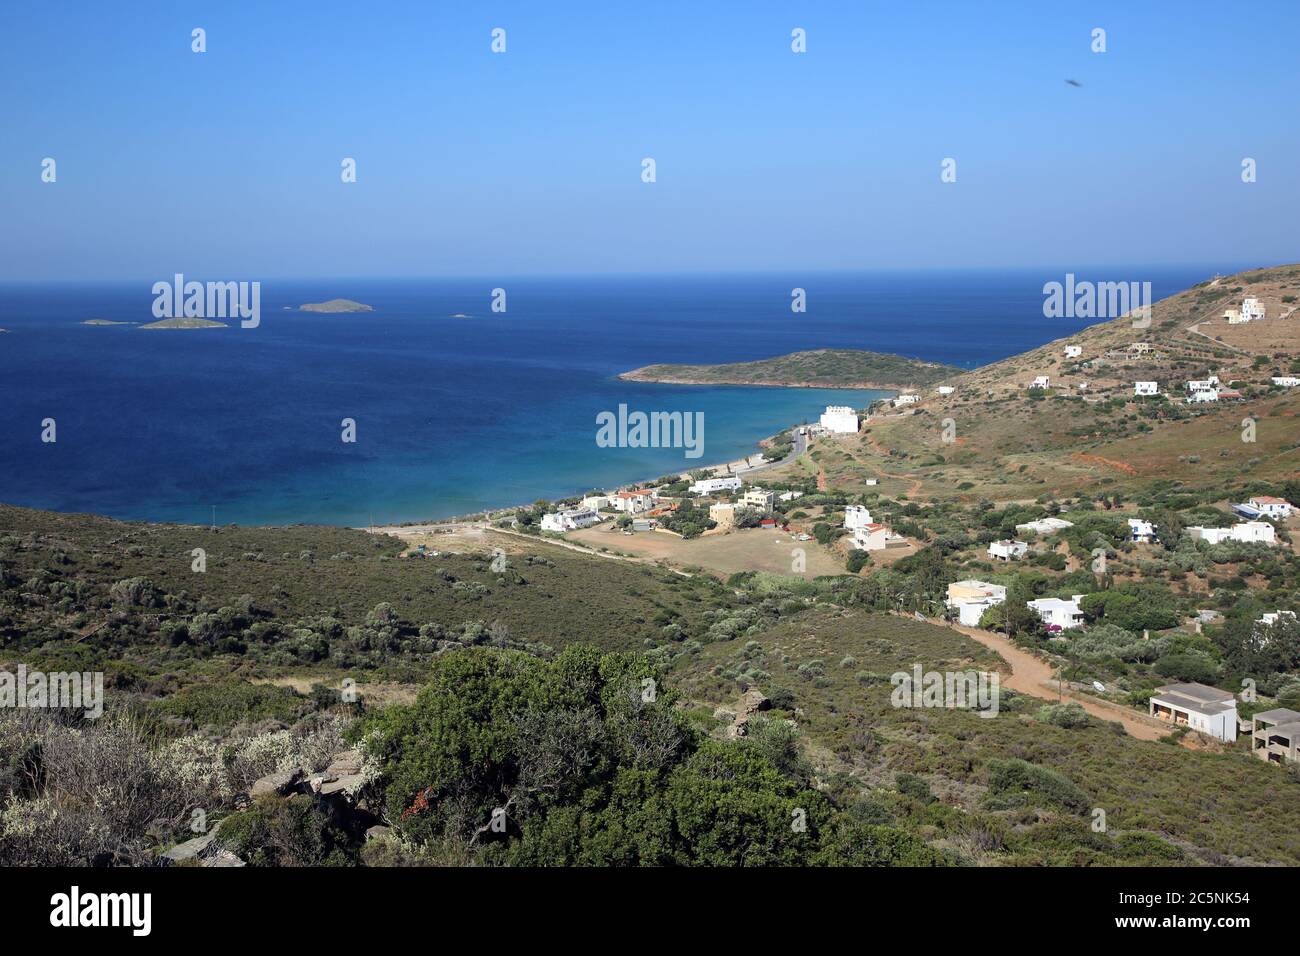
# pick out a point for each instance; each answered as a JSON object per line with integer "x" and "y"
{"x": 334, "y": 696}
{"x": 464, "y": 681}
{"x": 818, "y": 368}
{"x": 1000, "y": 437}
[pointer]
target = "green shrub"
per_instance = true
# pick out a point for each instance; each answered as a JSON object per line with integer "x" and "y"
{"x": 1019, "y": 783}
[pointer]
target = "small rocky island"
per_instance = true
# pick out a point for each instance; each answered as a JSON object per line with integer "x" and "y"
{"x": 336, "y": 305}
{"x": 185, "y": 323}
{"x": 818, "y": 368}
{"x": 105, "y": 322}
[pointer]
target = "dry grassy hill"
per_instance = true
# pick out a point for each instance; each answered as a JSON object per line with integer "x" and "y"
{"x": 997, "y": 438}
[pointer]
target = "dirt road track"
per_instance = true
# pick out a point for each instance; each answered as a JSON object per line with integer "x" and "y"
{"x": 1030, "y": 675}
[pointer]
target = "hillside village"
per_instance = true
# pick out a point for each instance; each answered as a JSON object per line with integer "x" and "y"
{"x": 1127, "y": 563}
{"x": 1226, "y": 342}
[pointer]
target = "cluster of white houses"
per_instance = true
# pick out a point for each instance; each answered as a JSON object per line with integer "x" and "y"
{"x": 644, "y": 504}
{"x": 868, "y": 534}
{"x": 1252, "y": 310}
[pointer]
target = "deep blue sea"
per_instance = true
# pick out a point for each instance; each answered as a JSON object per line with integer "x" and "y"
{"x": 453, "y": 414}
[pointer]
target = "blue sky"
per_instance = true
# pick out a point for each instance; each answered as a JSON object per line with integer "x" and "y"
{"x": 226, "y": 164}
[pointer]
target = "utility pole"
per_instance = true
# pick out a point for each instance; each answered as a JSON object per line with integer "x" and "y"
{"x": 214, "y": 517}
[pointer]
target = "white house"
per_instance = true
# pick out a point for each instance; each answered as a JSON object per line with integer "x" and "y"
{"x": 906, "y": 399}
{"x": 758, "y": 499}
{"x": 1073, "y": 351}
{"x": 872, "y": 537}
{"x": 1041, "y": 381}
{"x": 1270, "y": 507}
{"x": 1254, "y": 532}
{"x": 840, "y": 419}
{"x": 1203, "y": 384}
{"x": 1247, "y": 532}
{"x": 972, "y": 598}
{"x": 1274, "y": 617}
{"x": 570, "y": 520}
{"x": 949, "y": 389}
{"x": 633, "y": 502}
{"x": 857, "y": 516}
{"x": 790, "y": 495}
{"x": 1008, "y": 550}
{"x": 1234, "y": 316}
{"x": 1204, "y": 395}
{"x": 1212, "y": 535}
{"x": 709, "y": 486}
{"x": 1146, "y": 388}
{"x": 1198, "y": 707}
{"x": 1141, "y": 531}
{"x": 1251, "y": 309}
{"x": 1058, "y": 614}
{"x": 1286, "y": 381}
{"x": 871, "y": 481}
{"x": 596, "y": 502}
{"x": 1045, "y": 525}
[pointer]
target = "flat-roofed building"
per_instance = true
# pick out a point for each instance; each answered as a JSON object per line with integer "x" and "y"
{"x": 1198, "y": 707}
{"x": 971, "y": 598}
{"x": 1275, "y": 735}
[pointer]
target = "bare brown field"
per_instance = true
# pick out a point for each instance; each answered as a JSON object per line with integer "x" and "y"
{"x": 754, "y": 549}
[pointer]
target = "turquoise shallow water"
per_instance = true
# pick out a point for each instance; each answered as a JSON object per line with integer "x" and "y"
{"x": 453, "y": 414}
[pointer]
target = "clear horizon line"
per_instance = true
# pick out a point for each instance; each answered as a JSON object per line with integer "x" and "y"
{"x": 1054, "y": 269}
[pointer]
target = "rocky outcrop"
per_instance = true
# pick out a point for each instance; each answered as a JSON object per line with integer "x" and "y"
{"x": 277, "y": 784}
{"x": 202, "y": 850}
{"x": 750, "y": 703}
{"x": 342, "y": 776}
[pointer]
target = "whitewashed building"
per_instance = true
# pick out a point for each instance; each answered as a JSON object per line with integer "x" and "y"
{"x": 906, "y": 399}
{"x": 1206, "y": 709}
{"x": 1270, "y": 507}
{"x": 632, "y": 502}
{"x": 1146, "y": 388}
{"x": 872, "y": 537}
{"x": 758, "y": 499}
{"x": 596, "y": 502}
{"x": 1203, "y": 395}
{"x": 1272, "y": 618}
{"x": 1203, "y": 384}
{"x": 1254, "y": 532}
{"x": 857, "y": 516}
{"x": 1247, "y": 532}
{"x": 971, "y": 598}
{"x": 1057, "y": 613}
{"x": 840, "y": 420}
{"x": 1141, "y": 531}
{"x": 1045, "y": 525}
{"x": 1073, "y": 351}
{"x": 710, "y": 486}
{"x": 1042, "y": 381}
{"x": 946, "y": 389}
{"x": 1008, "y": 550}
{"x": 1286, "y": 381}
{"x": 570, "y": 520}
{"x": 790, "y": 495}
{"x": 1252, "y": 309}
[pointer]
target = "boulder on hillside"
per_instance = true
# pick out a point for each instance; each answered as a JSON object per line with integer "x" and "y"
{"x": 276, "y": 784}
